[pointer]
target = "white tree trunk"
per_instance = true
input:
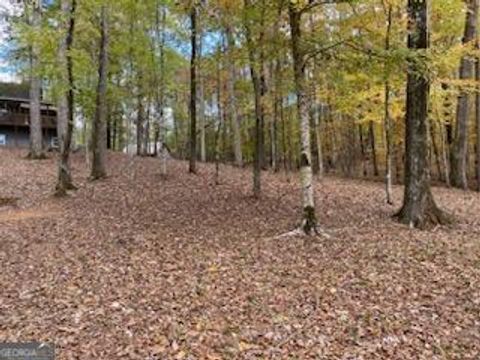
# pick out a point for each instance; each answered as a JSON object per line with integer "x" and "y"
{"x": 309, "y": 221}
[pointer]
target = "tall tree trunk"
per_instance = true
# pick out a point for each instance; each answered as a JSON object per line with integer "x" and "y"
{"x": 419, "y": 208}
{"x": 232, "y": 106}
{"x": 284, "y": 136}
{"x": 388, "y": 123}
{"x": 309, "y": 219}
{"x": 140, "y": 121}
{"x": 373, "y": 147}
{"x": 193, "y": 91}
{"x": 65, "y": 101}
{"x": 477, "y": 121}
{"x": 36, "y": 139}
{"x": 219, "y": 128}
{"x": 362, "y": 150}
{"x": 274, "y": 122}
{"x": 257, "y": 155}
{"x": 160, "y": 135}
{"x": 319, "y": 116}
{"x": 99, "y": 127}
{"x": 201, "y": 99}
{"x": 436, "y": 151}
{"x": 444, "y": 150}
{"x": 458, "y": 155}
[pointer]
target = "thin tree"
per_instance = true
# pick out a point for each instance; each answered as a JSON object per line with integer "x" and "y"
{"x": 419, "y": 208}
{"x": 458, "y": 154}
{"x": 388, "y": 122}
{"x": 201, "y": 97}
{"x": 99, "y": 128}
{"x": 160, "y": 33}
{"x": 232, "y": 104}
{"x": 66, "y": 100}
{"x": 193, "y": 90}
{"x": 309, "y": 218}
{"x": 477, "y": 121}
{"x": 36, "y": 140}
{"x": 258, "y": 103}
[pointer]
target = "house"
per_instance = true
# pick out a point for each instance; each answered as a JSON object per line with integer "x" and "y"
{"x": 15, "y": 117}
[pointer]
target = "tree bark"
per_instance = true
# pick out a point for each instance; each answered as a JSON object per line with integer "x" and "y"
{"x": 419, "y": 208}
{"x": 201, "y": 98}
{"x": 140, "y": 123}
{"x": 458, "y": 155}
{"x": 36, "y": 139}
{"x": 162, "y": 125}
{"x": 257, "y": 155}
{"x": 373, "y": 147}
{"x": 477, "y": 122}
{"x": 362, "y": 150}
{"x": 309, "y": 219}
{"x": 219, "y": 127}
{"x": 388, "y": 123}
{"x": 65, "y": 119}
{"x": 232, "y": 106}
{"x": 193, "y": 92}
{"x": 99, "y": 128}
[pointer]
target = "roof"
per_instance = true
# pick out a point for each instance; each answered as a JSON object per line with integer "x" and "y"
{"x": 15, "y": 90}
{"x": 27, "y": 102}
{"x": 21, "y": 120}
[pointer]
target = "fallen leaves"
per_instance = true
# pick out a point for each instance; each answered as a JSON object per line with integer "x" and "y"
{"x": 140, "y": 267}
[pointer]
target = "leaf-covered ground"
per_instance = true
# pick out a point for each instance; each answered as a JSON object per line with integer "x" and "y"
{"x": 141, "y": 267}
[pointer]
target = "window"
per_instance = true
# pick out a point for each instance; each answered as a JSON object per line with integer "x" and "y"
{"x": 3, "y": 139}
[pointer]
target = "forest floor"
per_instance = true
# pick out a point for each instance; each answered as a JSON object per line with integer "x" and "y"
{"x": 142, "y": 267}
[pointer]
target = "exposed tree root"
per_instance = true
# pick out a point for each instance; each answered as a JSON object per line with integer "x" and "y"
{"x": 31, "y": 156}
{"x": 423, "y": 216}
{"x": 8, "y": 201}
{"x": 62, "y": 190}
{"x": 299, "y": 231}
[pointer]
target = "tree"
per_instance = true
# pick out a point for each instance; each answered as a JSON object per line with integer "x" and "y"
{"x": 388, "y": 123}
{"x": 477, "y": 121}
{"x": 309, "y": 219}
{"x": 419, "y": 208}
{"x": 36, "y": 141}
{"x": 99, "y": 128}
{"x": 193, "y": 90}
{"x": 258, "y": 99}
{"x": 66, "y": 98}
{"x": 460, "y": 144}
{"x": 160, "y": 93}
{"x": 232, "y": 104}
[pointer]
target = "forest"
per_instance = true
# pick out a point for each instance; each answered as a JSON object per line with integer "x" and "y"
{"x": 241, "y": 179}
